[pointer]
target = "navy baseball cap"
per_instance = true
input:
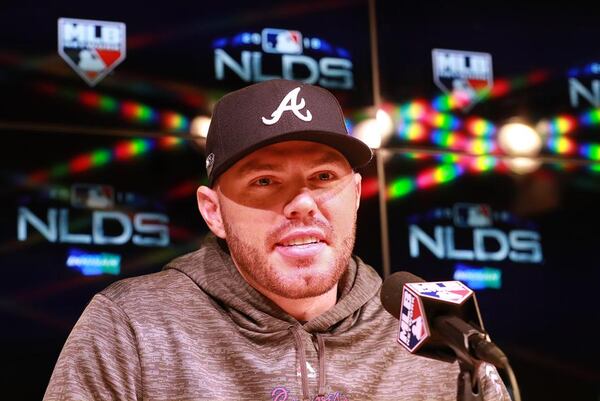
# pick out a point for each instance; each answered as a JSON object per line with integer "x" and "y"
{"x": 276, "y": 111}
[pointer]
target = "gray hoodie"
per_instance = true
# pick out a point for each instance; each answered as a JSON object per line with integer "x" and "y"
{"x": 197, "y": 331}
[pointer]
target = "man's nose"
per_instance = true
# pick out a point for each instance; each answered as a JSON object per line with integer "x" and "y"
{"x": 301, "y": 205}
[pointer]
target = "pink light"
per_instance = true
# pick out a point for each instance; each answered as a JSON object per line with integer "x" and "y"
{"x": 537, "y": 77}
{"x": 426, "y": 179}
{"x": 123, "y": 150}
{"x": 80, "y": 163}
{"x": 182, "y": 190}
{"x": 369, "y": 188}
{"x": 129, "y": 109}
{"x": 501, "y": 87}
{"x": 90, "y": 99}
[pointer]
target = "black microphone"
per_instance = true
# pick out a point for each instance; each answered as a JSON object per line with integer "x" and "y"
{"x": 439, "y": 320}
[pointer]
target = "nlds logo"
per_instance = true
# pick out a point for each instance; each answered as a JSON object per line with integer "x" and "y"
{"x": 282, "y": 53}
{"x": 94, "y": 219}
{"x": 471, "y": 235}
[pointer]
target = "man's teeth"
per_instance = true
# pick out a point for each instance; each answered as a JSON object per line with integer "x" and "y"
{"x": 301, "y": 241}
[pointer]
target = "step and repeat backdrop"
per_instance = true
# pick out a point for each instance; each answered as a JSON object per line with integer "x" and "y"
{"x": 102, "y": 111}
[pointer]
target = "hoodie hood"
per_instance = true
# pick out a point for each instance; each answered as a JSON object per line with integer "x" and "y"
{"x": 213, "y": 270}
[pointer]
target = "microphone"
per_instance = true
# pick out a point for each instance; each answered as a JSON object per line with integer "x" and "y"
{"x": 440, "y": 320}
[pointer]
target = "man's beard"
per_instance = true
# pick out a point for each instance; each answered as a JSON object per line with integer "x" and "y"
{"x": 254, "y": 265}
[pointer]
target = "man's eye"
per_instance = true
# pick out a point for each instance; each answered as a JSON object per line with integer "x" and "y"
{"x": 325, "y": 176}
{"x": 263, "y": 182}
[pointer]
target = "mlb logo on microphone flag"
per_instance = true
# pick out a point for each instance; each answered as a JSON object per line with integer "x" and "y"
{"x": 414, "y": 329}
{"x": 447, "y": 291}
{"x": 92, "y": 48}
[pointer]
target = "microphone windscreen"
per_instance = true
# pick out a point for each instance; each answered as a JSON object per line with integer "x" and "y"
{"x": 391, "y": 291}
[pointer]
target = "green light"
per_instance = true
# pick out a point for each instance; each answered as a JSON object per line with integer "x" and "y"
{"x": 100, "y": 157}
{"x": 594, "y": 116}
{"x": 108, "y": 104}
{"x": 449, "y": 158}
{"x": 139, "y": 146}
{"x": 400, "y": 187}
{"x": 144, "y": 113}
{"x": 518, "y": 82}
{"x": 445, "y": 173}
{"x": 59, "y": 170}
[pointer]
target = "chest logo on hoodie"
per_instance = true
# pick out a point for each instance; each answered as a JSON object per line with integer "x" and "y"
{"x": 282, "y": 394}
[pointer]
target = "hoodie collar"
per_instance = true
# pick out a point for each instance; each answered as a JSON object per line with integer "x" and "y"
{"x": 213, "y": 270}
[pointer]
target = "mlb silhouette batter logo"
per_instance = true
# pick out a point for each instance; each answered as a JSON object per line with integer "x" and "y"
{"x": 92, "y": 48}
{"x": 448, "y": 291}
{"x": 414, "y": 329}
{"x": 281, "y": 41}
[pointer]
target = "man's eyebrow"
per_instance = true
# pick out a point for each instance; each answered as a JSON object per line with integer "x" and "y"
{"x": 251, "y": 167}
{"x": 330, "y": 158}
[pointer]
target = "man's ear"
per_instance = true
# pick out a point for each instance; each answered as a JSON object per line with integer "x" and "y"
{"x": 357, "y": 183}
{"x": 210, "y": 209}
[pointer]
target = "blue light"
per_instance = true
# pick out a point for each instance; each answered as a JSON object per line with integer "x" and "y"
{"x": 94, "y": 264}
{"x": 349, "y": 126}
{"x": 315, "y": 43}
{"x": 343, "y": 53}
{"x": 219, "y": 43}
{"x": 326, "y": 47}
{"x": 478, "y": 278}
{"x": 238, "y": 39}
{"x": 246, "y": 38}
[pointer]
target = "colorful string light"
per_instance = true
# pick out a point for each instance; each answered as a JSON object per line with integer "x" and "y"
{"x": 122, "y": 151}
{"x": 590, "y": 151}
{"x": 480, "y": 127}
{"x": 126, "y": 109}
{"x": 561, "y": 146}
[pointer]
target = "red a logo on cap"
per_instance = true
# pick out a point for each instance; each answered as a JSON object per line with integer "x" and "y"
{"x": 289, "y": 103}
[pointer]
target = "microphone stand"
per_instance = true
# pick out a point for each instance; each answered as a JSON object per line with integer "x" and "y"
{"x": 469, "y": 387}
{"x": 457, "y": 334}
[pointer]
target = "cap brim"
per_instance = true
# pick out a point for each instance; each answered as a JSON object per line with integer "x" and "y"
{"x": 354, "y": 150}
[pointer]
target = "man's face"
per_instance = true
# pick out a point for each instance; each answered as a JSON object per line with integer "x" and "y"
{"x": 289, "y": 215}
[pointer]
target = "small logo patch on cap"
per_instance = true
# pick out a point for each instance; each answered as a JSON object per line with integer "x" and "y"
{"x": 289, "y": 103}
{"x": 210, "y": 161}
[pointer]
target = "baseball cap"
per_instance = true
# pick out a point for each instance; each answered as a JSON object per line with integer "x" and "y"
{"x": 275, "y": 111}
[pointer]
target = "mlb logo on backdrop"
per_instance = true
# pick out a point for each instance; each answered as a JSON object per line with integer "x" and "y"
{"x": 281, "y": 41}
{"x": 92, "y": 48}
{"x": 472, "y": 215}
{"x": 463, "y": 75}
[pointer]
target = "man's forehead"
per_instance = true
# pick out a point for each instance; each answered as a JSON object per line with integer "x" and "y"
{"x": 312, "y": 152}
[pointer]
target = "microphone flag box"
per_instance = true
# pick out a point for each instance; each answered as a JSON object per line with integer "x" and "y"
{"x": 421, "y": 303}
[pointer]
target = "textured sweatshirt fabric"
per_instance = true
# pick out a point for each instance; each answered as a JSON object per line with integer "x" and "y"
{"x": 197, "y": 331}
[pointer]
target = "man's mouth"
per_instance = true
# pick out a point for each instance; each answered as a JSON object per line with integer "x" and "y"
{"x": 306, "y": 243}
{"x": 300, "y": 241}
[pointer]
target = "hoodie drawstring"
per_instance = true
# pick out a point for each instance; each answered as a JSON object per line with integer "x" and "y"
{"x": 321, "y": 344}
{"x": 302, "y": 357}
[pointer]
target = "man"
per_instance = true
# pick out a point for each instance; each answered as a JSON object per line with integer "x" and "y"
{"x": 273, "y": 306}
